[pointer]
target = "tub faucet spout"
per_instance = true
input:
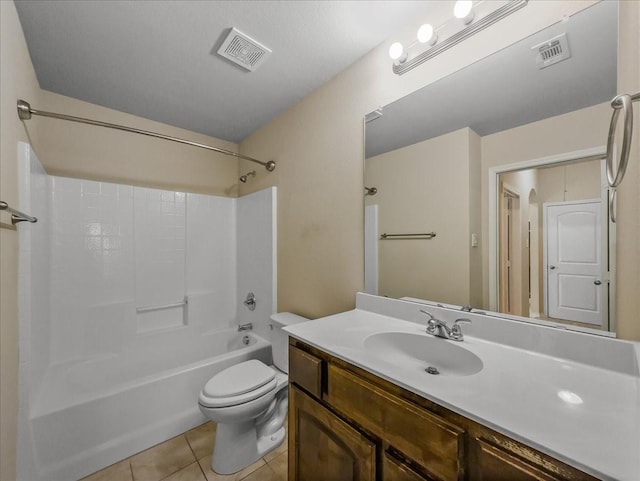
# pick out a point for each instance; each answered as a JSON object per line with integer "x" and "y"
{"x": 245, "y": 327}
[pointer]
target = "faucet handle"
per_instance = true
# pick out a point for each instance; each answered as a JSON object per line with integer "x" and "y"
{"x": 432, "y": 323}
{"x": 431, "y": 317}
{"x": 456, "y": 330}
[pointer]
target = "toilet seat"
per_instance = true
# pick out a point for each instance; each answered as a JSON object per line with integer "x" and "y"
{"x": 238, "y": 384}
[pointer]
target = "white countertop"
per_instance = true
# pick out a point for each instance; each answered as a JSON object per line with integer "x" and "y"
{"x": 516, "y": 393}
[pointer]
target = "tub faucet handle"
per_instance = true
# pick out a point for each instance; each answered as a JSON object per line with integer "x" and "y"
{"x": 250, "y": 302}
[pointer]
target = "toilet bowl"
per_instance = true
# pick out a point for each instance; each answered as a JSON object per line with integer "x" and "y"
{"x": 249, "y": 402}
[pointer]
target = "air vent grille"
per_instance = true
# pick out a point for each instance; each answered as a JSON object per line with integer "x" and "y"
{"x": 243, "y": 50}
{"x": 552, "y": 51}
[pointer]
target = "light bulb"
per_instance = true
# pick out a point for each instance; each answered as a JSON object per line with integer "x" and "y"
{"x": 396, "y": 50}
{"x": 463, "y": 9}
{"x": 426, "y": 34}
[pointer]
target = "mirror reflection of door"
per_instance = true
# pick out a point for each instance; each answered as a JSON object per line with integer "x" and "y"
{"x": 551, "y": 242}
{"x": 573, "y": 254}
{"x": 510, "y": 243}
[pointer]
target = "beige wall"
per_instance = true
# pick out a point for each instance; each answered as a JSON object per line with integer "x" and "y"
{"x": 18, "y": 80}
{"x": 475, "y": 220}
{"x": 579, "y": 181}
{"x": 425, "y": 187}
{"x": 78, "y": 150}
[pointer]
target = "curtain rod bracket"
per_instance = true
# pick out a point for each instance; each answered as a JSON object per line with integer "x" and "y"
{"x": 25, "y": 112}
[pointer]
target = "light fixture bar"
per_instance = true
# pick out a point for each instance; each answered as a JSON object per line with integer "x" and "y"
{"x": 473, "y": 28}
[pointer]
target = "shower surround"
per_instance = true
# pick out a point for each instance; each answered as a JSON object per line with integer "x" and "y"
{"x": 130, "y": 299}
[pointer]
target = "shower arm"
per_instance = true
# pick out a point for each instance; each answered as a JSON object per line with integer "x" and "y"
{"x": 25, "y": 112}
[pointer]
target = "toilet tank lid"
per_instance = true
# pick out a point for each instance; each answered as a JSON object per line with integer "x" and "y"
{"x": 287, "y": 318}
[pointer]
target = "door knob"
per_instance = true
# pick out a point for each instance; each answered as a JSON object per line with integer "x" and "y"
{"x": 597, "y": 282}
{"x": 552, "y": 267}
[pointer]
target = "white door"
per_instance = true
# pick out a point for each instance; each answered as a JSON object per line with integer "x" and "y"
{"x": 575, "y": 285}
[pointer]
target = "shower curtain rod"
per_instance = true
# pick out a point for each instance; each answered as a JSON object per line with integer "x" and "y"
{"x": 25, "y": 112}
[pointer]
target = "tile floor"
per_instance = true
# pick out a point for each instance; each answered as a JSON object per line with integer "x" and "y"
{"x": 187, "y": 457}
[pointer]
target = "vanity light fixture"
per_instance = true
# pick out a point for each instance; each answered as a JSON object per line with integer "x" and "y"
{"x": 427, "y": 34}
{"x": 397, "y": 53}
{"x": 463, "y": 9}
{"x": 474, "y": 18}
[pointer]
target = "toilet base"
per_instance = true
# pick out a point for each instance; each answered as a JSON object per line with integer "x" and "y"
{"x": 236, "y": 446}
{"x": 269, "y": 443}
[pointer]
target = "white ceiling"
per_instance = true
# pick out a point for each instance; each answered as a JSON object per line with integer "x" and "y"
{"x": 506, "y": 90}
{"x": 156, "y": 59}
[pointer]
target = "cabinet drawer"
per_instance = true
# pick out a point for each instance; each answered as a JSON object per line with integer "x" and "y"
{"x": 305, "y": 370}
{"x": 394, "y": 470}
{"x": 497, "y": 464}
{"x": 424, "y": 437}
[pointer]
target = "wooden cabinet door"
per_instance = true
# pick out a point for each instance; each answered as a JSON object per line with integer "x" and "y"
{"x": 322, "y": 447}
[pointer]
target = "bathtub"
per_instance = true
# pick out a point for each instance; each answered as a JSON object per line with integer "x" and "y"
{"x": 90, "y": 414}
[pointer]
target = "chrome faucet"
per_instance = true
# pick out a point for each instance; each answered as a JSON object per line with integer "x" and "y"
{"x": 245, "y": 327}
{"x": 439, "y": 328}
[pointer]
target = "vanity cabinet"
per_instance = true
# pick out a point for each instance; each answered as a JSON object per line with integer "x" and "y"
{"x": 348, "y": 424}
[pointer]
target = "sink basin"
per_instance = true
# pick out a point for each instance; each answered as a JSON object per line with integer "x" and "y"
{"x": 423, "y": 351}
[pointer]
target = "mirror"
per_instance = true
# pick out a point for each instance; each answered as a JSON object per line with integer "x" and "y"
{"x": 486, "y": 188}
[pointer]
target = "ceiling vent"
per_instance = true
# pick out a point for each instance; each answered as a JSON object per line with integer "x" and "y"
{"x": 243, "y": 50}
{"x": 552, "y": 51}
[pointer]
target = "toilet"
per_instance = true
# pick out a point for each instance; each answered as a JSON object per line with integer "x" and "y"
{"x": 249, "y": 403}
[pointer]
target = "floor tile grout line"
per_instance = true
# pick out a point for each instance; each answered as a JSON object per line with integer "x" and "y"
{"x": 190, "y": 447}
{"x": 202, "y": 470}
{"x": 181, "y": 469}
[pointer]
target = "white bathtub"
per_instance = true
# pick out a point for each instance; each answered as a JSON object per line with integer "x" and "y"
{"x": 91, "y": 414}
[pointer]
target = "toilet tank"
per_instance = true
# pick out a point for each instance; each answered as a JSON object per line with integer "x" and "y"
{"x": 280, "y": 339}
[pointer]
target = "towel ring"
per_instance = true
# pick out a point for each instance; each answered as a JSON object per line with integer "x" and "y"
{"x": 624, "y": 103}
{"x": 612, "y": 205}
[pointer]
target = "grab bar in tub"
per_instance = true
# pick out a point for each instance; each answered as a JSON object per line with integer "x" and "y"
{"x": 140, "y": 310}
